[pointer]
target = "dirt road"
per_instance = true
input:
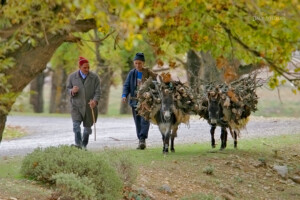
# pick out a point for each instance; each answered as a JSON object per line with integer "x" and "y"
{"x": 120, "y": 132}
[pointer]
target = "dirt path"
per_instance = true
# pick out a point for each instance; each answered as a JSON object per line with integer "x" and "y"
{"x": 120, "y": 132}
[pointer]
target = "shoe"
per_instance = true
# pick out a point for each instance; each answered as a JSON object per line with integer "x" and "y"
{"x": 142, "y": 144}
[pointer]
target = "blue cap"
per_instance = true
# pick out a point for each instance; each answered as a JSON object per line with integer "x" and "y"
{"x": 139, "y": 56}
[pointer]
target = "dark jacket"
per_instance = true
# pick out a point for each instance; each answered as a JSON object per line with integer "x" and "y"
{"x": 130, "y": 85}
{"x": 88, "y": 90}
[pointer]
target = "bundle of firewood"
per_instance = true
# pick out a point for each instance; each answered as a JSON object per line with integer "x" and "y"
{"x": 149, "y": 99}
{"x": 238, "y": 99}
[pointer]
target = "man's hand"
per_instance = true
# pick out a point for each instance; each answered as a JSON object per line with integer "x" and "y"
{"x": 75, "y": 89}
{"x": 124, "y": 99}
{"x": 93, "y": 104}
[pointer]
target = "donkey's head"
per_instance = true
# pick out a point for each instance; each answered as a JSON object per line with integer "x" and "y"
{"x": 167, "y": 104}
{"x": 214, "y": 107}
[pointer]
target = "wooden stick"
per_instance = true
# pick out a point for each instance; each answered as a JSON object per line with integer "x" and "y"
{"x": 93, "y": 114}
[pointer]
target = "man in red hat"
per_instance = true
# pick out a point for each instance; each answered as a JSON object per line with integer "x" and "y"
{"x": 84, "y": 89}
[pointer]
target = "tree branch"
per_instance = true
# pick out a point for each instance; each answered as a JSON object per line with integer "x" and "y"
{"x": 257, "y": 54}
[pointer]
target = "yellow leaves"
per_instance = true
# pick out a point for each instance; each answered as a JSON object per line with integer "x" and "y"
{"x": 219, "y": 7}
{"x": 281, "y": 5}
{"x": 100, "y": 29}
{"x": 66, "y": 20}
{"x": 170, "y": 22}
{"x": 132, "y": 40}
{"x": 209, "y": 6}
{"x": 205, "y": 38}
{"x": 104, "y": 28}
{"x": 128, "y": 44}
{"x": 294, "y": 91}
{"x": 141, "y": 5}
{"x": 14, "y": 21}
{"x": 155, "y": 23}
{"x": 274, "y": 82}
{"x": 139, "y": 36}
{"x": 217, "y": 28}
{"x": 275, "y": 21}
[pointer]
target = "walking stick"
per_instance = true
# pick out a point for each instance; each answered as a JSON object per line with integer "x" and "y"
{"x": 93, "y": 114}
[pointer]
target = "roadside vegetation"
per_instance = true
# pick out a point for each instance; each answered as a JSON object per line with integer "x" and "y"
{"x": 195, "y": 171}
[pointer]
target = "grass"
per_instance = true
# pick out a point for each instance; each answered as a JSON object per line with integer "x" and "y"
{"x": 191, "y": 159}
{"x": 272, "y": 103}
{"x": 12, "y": 132}
{"x": 10, "y": 167}
{"x": 263, "y": 147}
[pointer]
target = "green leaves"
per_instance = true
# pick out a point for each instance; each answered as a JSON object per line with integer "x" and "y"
{"x": 253, "y": 31}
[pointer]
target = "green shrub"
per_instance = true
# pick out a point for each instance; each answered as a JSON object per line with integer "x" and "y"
{"x": 209, "y": 170}
{"x": 44, "y": 164}
{"x": 74, "y": 187}
{"x": 124, "y": 165}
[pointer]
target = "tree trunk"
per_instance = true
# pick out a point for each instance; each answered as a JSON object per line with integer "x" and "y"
{"x": 125, "y": 108}
{"x": 3, "y": 117}
{"x": 202, "y": 66}
{"x": 36, "y": 93}
{"x": 105, "y": 73}
{"x": 59, "y": 97}
{"x": 30, "y": 61}
{"x": 105, "y": 90}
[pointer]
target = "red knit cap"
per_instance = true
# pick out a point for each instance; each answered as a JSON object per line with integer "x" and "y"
{"x": 82, "y": 60}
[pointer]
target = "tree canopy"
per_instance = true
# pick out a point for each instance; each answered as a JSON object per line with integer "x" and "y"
{"x": 264, "y": 31}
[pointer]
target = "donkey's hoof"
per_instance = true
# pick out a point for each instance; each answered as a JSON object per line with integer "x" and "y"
{"x": 173, "y": 150}
{"x": 213, "y": 146}
{"x": 222, "y": 148}
{"x": 165, "y": 151}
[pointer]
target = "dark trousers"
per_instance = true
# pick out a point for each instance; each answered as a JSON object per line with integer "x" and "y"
{"x": 142, "y": 125}
{"x": 79, "y": 141}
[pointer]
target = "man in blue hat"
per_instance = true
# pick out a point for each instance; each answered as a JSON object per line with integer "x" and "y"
{"x": 135, "y": 78}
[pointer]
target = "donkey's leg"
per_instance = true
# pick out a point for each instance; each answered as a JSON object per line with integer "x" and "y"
{"x": 212, "y": 133}
{"x": 234, "y": 136}
{"x": 173, "y": 135}
{"x": 235, "y": 139}
{"x": 166, "y": 143}
{"x": 163, "y": 140}
{"x": 172, "y": 143}
{"x": 223, "y": 138}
